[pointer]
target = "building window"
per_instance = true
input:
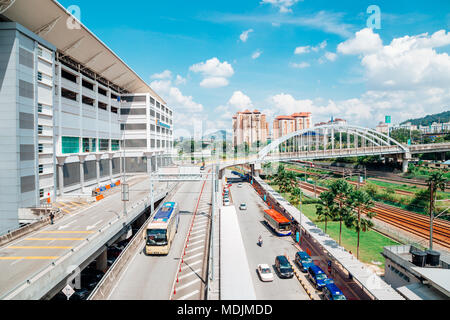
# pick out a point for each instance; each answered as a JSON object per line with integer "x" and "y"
{"x": 70, "y": 145}
{"x": 87, "y": 100}
{"x": 40, "y": 148}
{"x": 68, "y": 94}
{"x": 89, "y": 145}
{"x": 102, "y": 91}
{"x": 132, "y": 112}
{"x": 87, "y": 85}
{"x": 26, "y": 89}
{"x": 68, "y": 76}
{"x": 104, "y": 145}
{"x": 152, "y": 101}
{"x": 39, "y": 76}
{"x": 41, "y": 193}
{"x": 40, "y": 129}
{"x": 102, "y": 106}
{"x": 41, "y": 168}
{"x": 39, "y": 108}
{"x": 114, "y": 110}
{"x": 133, "y": 126}
{"x": 115, "y": 146}
{"x": 39, "y": 51}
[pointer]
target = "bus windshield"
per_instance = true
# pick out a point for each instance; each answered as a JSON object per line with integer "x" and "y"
{"x": 284, "y": 226}
{"x": 156, "y": 237}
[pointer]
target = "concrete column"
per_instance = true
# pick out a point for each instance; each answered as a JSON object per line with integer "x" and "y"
{"x": 148, "y": 155}
{"x": 82, "y": 160}
{"x": 60, "y": 164}
{"x": 156, "y": 163}
{"x": 102, "y": 261}
{"x": 443, "y": 156}
{"x": 97, "y": 166}
{"x": 405, "y": 164}
{"x": 111, "y": 155}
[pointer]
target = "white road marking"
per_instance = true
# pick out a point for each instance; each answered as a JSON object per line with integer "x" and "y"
{"x": 196, "y": 237}
{"x": 197, "y": 231}
{"x": 67, "y": 225}
{"x": 196, "y": 255}
{"x": 192, "y": 243}
{"x": 192, "y": 264}
{"x": 190, "y": 274}
{"x": 94, "y": 225}
{"x": 188, "y": 284}
{"x": 187, "y": 296}
{"x": 195, "y": 249}
{"x": 17, "y": 261}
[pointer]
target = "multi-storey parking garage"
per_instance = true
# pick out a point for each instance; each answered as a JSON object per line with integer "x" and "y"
{"x": 71, "y": 110}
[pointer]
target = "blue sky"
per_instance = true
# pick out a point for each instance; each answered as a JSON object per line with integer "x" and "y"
{"x": 313, "y": 56}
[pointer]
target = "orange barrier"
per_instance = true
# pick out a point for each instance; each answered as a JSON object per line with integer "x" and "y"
{"x": 100, "y": 197}
{"x": 97, "y": 190}
{"x": 108, "y": 187}
{"x": 118, "y": 183}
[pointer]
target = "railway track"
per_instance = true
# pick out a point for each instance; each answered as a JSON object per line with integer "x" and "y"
{"x": 414, "y": 223}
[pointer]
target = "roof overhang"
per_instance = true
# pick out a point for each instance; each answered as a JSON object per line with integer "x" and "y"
{"x": 52, "y": 22}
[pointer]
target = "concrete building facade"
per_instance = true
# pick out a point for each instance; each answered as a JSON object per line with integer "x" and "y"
{"x": 283, "y": 125}
{"x": 72, "y": 111}
{"x": 250, "y": 127}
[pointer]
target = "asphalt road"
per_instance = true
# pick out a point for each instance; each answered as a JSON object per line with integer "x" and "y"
{"x": 25, "y": 257}
{"x": 252, "y": 226}
{"x": 151, "y": 277}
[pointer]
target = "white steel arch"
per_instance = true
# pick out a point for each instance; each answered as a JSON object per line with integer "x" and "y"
{"x": 322, "y": 138}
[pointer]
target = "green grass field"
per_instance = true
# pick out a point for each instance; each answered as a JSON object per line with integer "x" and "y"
{"x": 371, "y": 242}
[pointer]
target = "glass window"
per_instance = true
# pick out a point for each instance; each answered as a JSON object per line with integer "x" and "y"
{"x": 104, "y": 145}
{"x": 115, "y": 145}
{"x": 70, "y": 145}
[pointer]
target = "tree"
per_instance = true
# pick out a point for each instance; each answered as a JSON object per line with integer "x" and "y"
{"x": 435, "y": 181}
{"x": 295, "y": 198}
{"x": 359, "y": 201}
{"x": 341, "y": 189}
{"x": 326, "y": 209}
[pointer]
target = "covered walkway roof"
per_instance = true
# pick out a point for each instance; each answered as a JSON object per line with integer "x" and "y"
{"x": 52, "y": 22}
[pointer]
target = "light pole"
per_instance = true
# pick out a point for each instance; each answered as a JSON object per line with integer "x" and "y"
{"x": 432, "y": 218}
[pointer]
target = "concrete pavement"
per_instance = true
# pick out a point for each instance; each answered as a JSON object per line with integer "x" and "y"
{"x": 252, "y": 225}
{"x": 23, "y": 258}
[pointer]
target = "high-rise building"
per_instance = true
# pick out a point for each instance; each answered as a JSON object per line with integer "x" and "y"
{"x": 283, "y": 125}
{"x": 250, "y": 127}
{"x": 71, "y": 110}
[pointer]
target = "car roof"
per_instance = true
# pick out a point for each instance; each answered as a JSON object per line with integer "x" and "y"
{"x": 334, "y": 288}
{"x": 316, "y": 269}
{"x": 282, "y": 259}
{"x": 303, "y": 254}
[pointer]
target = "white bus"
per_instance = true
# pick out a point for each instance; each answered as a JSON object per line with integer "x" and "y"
{"x": 161, "y": 231}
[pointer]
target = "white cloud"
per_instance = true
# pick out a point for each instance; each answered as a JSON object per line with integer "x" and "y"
{"x": 214, "y": 72}
{"x": 256, "y": 54}
{"x": 300, "y": 65}
{"x": 240, "y": 101}
{"x": 331, "y": 56}
{"x": 175, "y": 98}
{"x": 180, "y": 80}
{"x": 301, "y": 50}
{"x": 214, "y": 82}
{"x": 167, "y": 74}
{"x": 306, "y": 49}
{"x": 283, "y": 5}
{"x": 244, "y": 35}
{"x": 365, "y": 41}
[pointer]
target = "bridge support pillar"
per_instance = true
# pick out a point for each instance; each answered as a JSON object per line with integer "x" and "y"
{"x": 102, "y": 261}
{"x": 405, "y": 162}
{"x": 443, "y": 156}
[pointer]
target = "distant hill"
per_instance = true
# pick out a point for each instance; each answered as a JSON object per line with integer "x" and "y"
{"x": 429, "y": 119}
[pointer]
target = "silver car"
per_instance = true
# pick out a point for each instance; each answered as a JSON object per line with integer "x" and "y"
{"x": 243, "y": 206}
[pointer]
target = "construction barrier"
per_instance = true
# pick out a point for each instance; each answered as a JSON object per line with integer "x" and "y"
{"x": 99, "y": 197}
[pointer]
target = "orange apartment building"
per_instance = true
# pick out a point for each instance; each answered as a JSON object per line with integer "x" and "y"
{"x": 283, "y": 125}
{"x": 250, "y": 127}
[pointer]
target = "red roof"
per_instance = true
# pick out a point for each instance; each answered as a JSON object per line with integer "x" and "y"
{"x": 284, "y": 118}
{"x": 247, "y": 112}
{"x": 277, "y": 216}
{"x": 301, "y": 114}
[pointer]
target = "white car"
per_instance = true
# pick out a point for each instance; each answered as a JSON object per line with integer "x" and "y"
{"x": 243, "y": 206}
{"x": 264, "y": 272}
{"x": 226, "y": 202}
{"x": 240, "y": 185}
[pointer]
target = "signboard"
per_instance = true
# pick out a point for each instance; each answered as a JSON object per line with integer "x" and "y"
{"x": 161, "y": 124}
{"x": 388, "y": 119}
{"x": 409, "y": 142}
{"x": 68, "y": 291}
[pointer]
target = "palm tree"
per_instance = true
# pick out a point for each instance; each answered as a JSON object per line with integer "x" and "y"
{"x": 359, "y": 201}
{"x": 341, "y": 189}
{"x": 435, "y": 181}
{"x": 326, "y": 209}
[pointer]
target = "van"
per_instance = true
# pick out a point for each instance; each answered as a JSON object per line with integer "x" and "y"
{"x": 283, "y": 267}
{"x": 332, "y": 292}
{"x": 318, "y": 278}
{"x": 303, "y": 260}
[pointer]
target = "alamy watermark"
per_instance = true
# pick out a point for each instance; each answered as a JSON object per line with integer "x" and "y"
{"x": 374, "y": 20}
{"x": 73, "y": 22}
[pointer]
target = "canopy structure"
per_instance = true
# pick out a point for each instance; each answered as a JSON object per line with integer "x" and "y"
{"x": 52, "y": 22}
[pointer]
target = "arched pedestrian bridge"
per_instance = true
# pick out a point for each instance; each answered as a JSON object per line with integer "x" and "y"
{"x": 335, "y": 141}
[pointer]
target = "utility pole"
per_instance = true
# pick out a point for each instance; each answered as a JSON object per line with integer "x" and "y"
{"x": 431, "y": 214}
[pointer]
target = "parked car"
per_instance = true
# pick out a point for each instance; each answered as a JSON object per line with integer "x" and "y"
{"x": 332, "y": 292}
{"x": 264, "y": 272}
{"x": 283, "y": 267}
{"x": 243, "y": 206}
{"x": 318, "y": 278}
{"x": 240, "y": 185}
{"x": 303, "y": 260}
{"x": 226, "y": 202}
